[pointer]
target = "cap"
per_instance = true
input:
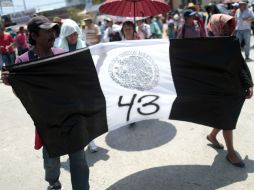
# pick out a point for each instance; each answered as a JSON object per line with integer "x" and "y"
{"x": 235, "y": 4}
{"x": 40, "y": 22}
{"x": 188, "y": 13}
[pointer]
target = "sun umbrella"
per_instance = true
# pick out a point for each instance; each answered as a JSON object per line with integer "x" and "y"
{"x": 134, "y": 8}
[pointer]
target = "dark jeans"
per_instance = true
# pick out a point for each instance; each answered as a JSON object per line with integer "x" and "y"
{"x": 8, "y": 58}
{"x": 78, "y": 168}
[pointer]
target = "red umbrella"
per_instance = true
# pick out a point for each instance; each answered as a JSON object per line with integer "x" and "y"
{"x": 134, "y": 8}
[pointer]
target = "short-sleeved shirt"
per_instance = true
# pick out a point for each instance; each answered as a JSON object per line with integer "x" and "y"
{"x": 21, "y": 40}
{"x": 240, "y": 15}
{"x": 6, "y": 40}
{"x": 92, "y": 34}
{"x": 193, "y": 31}
{"x": 30, "y": 55}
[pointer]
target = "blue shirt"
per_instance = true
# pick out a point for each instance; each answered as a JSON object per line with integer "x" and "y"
{"x": 240, "y": 15}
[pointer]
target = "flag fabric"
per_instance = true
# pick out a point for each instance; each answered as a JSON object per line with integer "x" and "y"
{"x": 77, "y": 96}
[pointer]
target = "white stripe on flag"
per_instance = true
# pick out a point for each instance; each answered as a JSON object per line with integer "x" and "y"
{"x": 135, "y": 77}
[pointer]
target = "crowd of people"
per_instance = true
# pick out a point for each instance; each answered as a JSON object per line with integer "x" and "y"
{"x": 189, "y": 22}
{"x": 194, "y": 22}
{"x": 42, "y": 38}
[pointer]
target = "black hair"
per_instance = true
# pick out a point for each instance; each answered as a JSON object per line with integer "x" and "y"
{"x": 127, "y": 23}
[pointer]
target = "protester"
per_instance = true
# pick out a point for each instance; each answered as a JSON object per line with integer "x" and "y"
{"x": 155, "y": 29}
{"x": 171, "y": 28}
{"x": 70, "y": 40}
{"x": 244, "y": 16}
{"x": 221, "y": 25}
{"x": 91, "y": 31}
{"x": 178, "y": 20}
{"x": 70, "y": 36}
{"x": 7, "y": 52}
{"x": 112, "y": 32}
{"x": 158, "y": 20}
{"x": 21, "y": 41}
{"x": 224, "y": 25}
{"x": 191, "y": 27}
{"x": 128, "y": 31}
{"x": 42, "y": 37}
{"x": 143, "y": 29}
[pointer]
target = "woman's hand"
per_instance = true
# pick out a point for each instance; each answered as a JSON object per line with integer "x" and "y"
{"x": 249, "y": 93}
{"x": 5, "y": 77}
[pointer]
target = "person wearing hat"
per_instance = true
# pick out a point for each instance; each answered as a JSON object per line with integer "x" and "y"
{"x": 191, "y": 27}
{"x": 112, "y": 32}
{"x": 41, "y": 37}
{"x": 91, "y": 31}
{"x": 244, "y": 16}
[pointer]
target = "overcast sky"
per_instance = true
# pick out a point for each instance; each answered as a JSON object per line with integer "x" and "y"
{"x": 39, "y": 5}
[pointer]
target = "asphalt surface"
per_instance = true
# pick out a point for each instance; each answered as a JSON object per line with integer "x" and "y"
{"x": 154, "y": 155}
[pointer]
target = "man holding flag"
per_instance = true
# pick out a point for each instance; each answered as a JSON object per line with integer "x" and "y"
{"x": 42, "y": 36}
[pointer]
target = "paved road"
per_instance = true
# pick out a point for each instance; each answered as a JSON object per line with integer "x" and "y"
{"x": 155, "y": 155}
